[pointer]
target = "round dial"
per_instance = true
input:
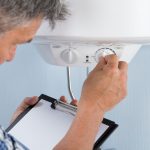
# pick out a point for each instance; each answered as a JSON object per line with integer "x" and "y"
{"x": 69, "y": 56}
{"x": 103, "y": 52}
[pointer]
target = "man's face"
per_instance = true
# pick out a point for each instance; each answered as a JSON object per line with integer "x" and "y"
{"x": 18, "y": 35}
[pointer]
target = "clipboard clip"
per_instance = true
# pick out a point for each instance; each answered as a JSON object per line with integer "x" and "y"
{"x": 59, "y": 105}
{"x": 64, "y": 107}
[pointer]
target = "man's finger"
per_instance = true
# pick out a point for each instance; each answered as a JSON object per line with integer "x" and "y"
{"x": 74, "y": 102}
{"x": 63, "y": 99}
{"x": 101, "y": 63}
{"x": 123, "y": 66}
{"x": 112, "y": 61}
{"x": 29, "y": 101}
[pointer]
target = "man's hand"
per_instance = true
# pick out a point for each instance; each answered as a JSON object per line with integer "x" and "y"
{"x": 29, "y": 101}
{"x": 106, "y": 85}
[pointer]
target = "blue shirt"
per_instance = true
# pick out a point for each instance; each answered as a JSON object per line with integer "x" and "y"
{"x": 8, "y": 142}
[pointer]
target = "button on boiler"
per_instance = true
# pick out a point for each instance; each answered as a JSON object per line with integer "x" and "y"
{"x": 102, "y": 52}
{"x": 69, "y": 56}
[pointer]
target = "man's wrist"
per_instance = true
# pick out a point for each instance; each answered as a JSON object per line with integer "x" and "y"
{"x": 90, "y": 108}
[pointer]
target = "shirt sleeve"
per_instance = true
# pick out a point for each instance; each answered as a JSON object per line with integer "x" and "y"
{"x": 8, "y": 142}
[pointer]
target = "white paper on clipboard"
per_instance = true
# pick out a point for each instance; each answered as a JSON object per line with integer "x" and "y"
{"x": 43, "y": 127}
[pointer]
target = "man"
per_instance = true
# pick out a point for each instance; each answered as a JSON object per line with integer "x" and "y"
{"x": 103, "y": 89}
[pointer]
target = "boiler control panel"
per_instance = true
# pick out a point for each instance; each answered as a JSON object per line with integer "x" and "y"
{"x": 70, "y": 53}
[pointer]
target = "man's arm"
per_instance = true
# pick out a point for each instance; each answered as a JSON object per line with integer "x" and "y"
{"x": 104, "y": 88}
{"x": 83, "y": 131}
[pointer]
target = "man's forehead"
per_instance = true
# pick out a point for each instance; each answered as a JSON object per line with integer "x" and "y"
{"x": 25, "y": 34}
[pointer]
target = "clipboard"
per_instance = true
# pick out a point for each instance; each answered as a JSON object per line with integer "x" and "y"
{"x": 43, "y": 125}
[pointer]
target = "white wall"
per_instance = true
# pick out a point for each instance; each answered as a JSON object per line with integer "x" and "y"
{"x": 29, "y": 75}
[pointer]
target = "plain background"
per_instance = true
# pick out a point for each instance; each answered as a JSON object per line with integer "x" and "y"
{"x": 29, "y": 75}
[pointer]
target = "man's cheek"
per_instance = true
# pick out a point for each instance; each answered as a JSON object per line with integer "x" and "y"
{"x": 2, "y": 56}
{"x": 1, "y": 61}
{"x": 11, "y": 54}
{"x": 10, "y": 57}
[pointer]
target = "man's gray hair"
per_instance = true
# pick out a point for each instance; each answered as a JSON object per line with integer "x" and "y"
{"x": 18, "y": 12}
